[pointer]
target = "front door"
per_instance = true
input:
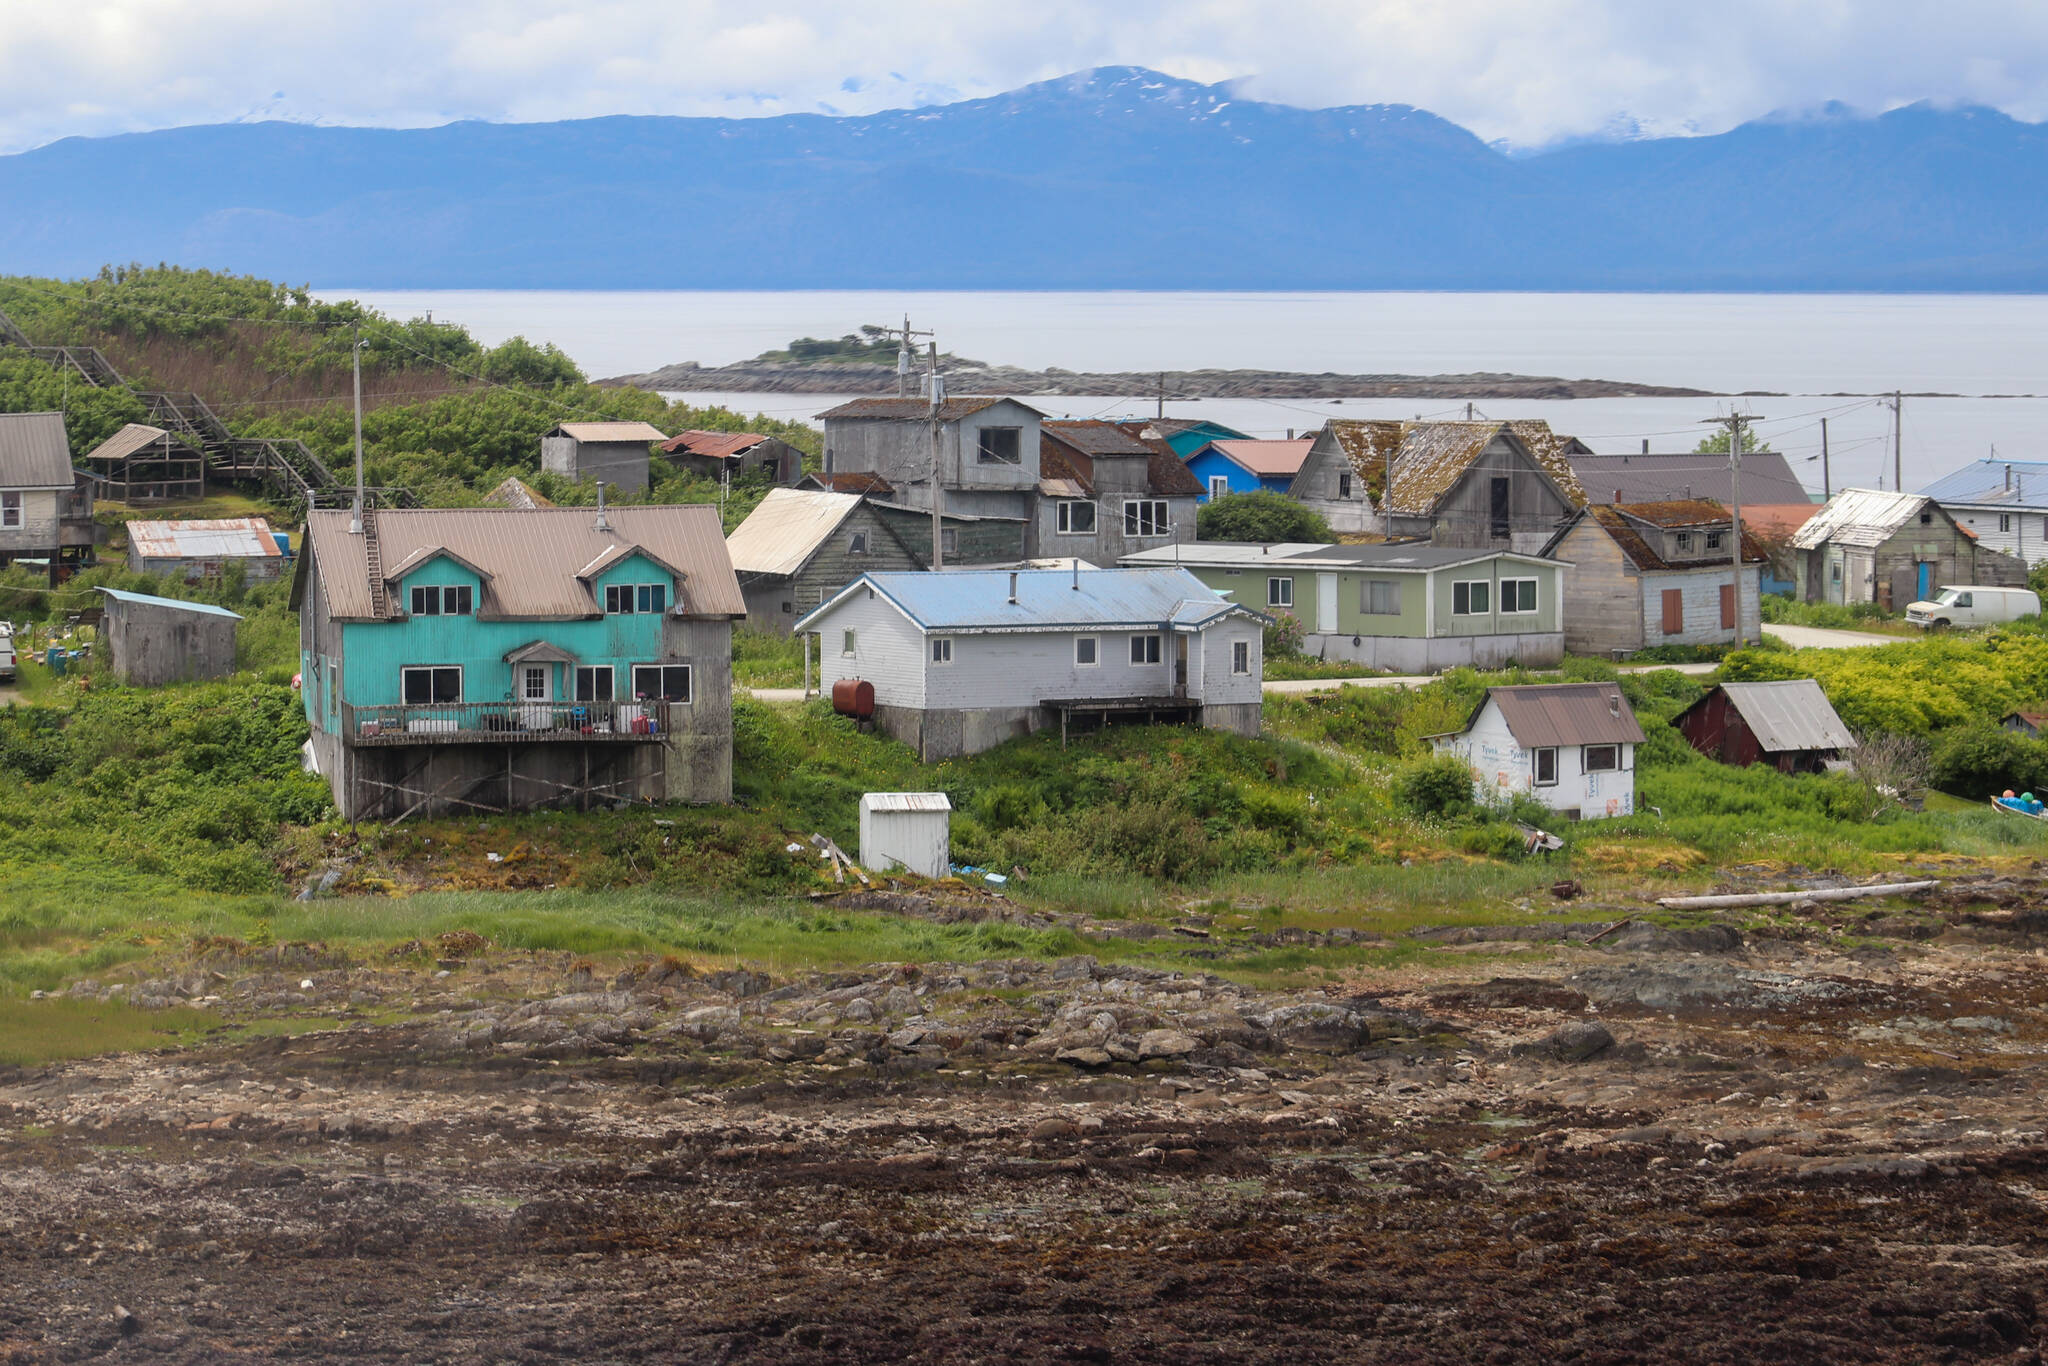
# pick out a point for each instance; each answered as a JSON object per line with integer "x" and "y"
{"x": 1180, "y": 666}
{"x": 536, "y": 694}
{"x": 1326, "y": 604}
{"x": 1926, "y": 581}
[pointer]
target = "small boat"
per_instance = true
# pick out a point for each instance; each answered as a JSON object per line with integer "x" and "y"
{"x": 2016, "y": 807}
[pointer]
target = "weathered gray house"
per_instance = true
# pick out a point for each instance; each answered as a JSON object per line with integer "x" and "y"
{"x": 493, "y": 659}
{"x": 152, "y": 641}
{"x": 987, "y": 451}
{"x": 203, "y": 549}
{"x": 1656, "y": 574}
{"x": 1869, "y": 545}
{"x": 798, "y": 547}
{"x": 714, "y": 454}
{"x": 45, "y": 505}
{"x": 615, "y": 452}
{"x": 964, "y": 660}
{"x": 1105, "y": 492}
{"x": 1500, "y": 485}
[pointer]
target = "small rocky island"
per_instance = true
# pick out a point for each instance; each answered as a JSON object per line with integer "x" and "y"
{"x": 865, "y": 363}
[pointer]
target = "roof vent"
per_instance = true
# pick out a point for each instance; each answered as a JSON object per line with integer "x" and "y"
{"x": 602, "y": 523}
{"x": 1013, "y": 587}
{"x": 1614, "y": 704}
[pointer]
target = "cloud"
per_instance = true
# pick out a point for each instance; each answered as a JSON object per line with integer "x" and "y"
{"x": 1527, "y": 72}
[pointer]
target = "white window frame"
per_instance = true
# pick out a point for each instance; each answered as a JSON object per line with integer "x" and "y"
{"x": 1094, "y": 644}
{"x": 1147, "y": 651}
{"x": 846, "y": 641}
{"x": 1507, "y": 597}
{"x": 942, "y": 650}
{"x": 1485, "y": 587}
{"x": 1219, "y": 485}
{"x": 609, "y": 673}
{"x": 1240, "y": 656}
{"x": 11, "y": 514}
{"x": 1065, "y": 515}
{"x": 689, "y": 682}
{"x": 1365, "y": 606}
{"x": 406, "y": 671}
{"x": 1536, "y": 757}
{"x": 1280, "y": 591}
{"x": 534, "y": 683}
{"x": 1586, "y": 764}
{"x": 2005, "y": 521}
{"x": 1139, "y": 513}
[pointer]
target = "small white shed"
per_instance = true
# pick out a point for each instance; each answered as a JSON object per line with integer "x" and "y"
{"x": 908, "y": 830}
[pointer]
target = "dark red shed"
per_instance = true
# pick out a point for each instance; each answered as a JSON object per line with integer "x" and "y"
{"x": 1788, "y": 724}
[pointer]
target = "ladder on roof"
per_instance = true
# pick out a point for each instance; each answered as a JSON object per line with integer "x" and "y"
{"x": 373, "y": 560}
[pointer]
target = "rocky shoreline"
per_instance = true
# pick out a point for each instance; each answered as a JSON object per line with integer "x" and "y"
{"x": 971, "y": 377}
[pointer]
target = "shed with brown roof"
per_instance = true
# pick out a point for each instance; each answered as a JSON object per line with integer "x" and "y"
{"x": 1570, "y": 746}
{"x": 714, "y": 454}
{"x": 614, "y": 452}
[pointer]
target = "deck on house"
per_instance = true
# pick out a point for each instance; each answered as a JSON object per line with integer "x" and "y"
{"x": 446, "y": 723}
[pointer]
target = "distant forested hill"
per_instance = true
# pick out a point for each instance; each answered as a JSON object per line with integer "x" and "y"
{"x": 1112, "y": 178}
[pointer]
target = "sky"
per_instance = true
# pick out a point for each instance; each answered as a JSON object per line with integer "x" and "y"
{"x": 1524, "y": 73}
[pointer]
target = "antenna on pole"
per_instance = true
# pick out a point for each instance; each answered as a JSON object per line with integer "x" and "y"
{"x": 355, "y": 355}
{"x": 905, "y": 358}
{"x": 1735, "y": 422}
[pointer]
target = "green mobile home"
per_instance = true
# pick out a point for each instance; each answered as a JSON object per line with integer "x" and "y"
{"x": 1412, "y": 608}
{"x": 494, "y": 659}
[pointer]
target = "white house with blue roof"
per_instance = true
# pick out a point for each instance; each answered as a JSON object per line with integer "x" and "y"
{"x": 2003, "y": 503}
{"x": 964, "y": 660}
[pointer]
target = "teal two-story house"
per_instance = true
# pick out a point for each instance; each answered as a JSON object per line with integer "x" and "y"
{"x": 497, "y": 659}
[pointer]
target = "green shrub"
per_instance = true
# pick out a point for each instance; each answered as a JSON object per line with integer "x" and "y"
{"x": 1437, "y": 786}
{"x": 1260, "y": 516}
{"x": 1982, "y": 760}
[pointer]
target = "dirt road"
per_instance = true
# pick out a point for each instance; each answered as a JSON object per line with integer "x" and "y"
{"x": 1669, "y": 1146}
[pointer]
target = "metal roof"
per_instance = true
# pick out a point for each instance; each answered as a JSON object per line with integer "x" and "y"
{"x": 228, "y": 538}
{"x": 905, "y": 801}
{"x": 1400, "y": 555}
{"x": 1650, "y": 478}
{"x": 136, "y": 436}
{"x": 1264, "y": 458}
{"x": 176, "y": 604}
{"x": 1994, "y": 483}
{"x": 1541, "y": 715}
{"x": 919, "y": 409}
{"x": 34, "y": 451}
{"x": 1106, "y": 599}
{"x": 610, "y": 431}
{"x": 717, "y": 445}
{"x": 1219, "y": 554}
{"x": 1860, "y": 517}
{"x": 782, "y": 533}
{"x": 848, "y": 481}
{"x": 532, "y": 555}
{"x": 1793, "y": 714}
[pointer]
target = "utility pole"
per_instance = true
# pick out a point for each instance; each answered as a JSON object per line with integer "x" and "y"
{"x": 1827, "y": 490}
{"x": 1160, "y": 414}
{"x": 1735, "y": 423}
{"x": 903, "y": 355}
{"x": 1468, "y": 411}
{"x": 938, "y": 388}
{"x": 1898, "y": 441}
{"x": 355, "y": 355}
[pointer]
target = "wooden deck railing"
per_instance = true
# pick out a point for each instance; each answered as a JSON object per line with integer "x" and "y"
{"x": 485, "y": 722}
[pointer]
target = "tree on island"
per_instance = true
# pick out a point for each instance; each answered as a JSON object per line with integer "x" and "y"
{"x": 1260, "y": 516}
{"x": 1717, "y": 444}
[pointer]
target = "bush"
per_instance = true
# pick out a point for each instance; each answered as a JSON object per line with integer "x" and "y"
{"x": 1437, "y": 786}
{"x": 1983, "y": 760}
{"x": 1262, "y": 517}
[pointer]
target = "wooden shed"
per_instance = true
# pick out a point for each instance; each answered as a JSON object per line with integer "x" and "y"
{"x": 907, "y": 830}
{"x": 614, "y": 452}
{"x": 152, "y": 641}
{"x": 1788, "y": 724}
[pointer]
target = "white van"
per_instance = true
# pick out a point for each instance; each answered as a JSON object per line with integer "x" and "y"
{"x": 6, "y": 651}
{"x": 1958, "y": 605}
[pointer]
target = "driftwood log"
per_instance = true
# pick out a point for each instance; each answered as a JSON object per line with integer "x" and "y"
{"x": 1787, "y": 898}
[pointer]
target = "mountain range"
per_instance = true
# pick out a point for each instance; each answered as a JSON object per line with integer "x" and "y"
{"x": 1112, "y": 178}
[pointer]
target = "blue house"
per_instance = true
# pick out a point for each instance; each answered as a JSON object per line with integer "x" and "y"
{"x": 496, "y": 659}
{"x": 1248, "y": 466}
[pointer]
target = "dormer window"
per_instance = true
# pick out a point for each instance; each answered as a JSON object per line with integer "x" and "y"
{"x": 1001, "y": 446}
{"x": 626, "y": 599}
{"x": 1685, "y": 540}
{"x": 1713, "y": 540}
{"x": 443, "y": 600}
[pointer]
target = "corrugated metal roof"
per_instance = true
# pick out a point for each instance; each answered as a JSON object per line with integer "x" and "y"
{"x": 716, "y": 445}
{"x": 918, "y": 409}
{"x": 1766, "y": 478}
{"x": 905, "y": 801}
{"x": 2001, "y": 483}
{"x": 978, "y": 600}
{"x": 34, "y": 452}
{"x": 782, "y": 533}
{"x": 134, "y": 437}
{"x": 1219, "y": 554}
{"x": 1793, "y": 714}
{"x": 1265, "y": 458}
{"x": 176, "y": 604}
{"x": 1403, "y": 555}
{"x": 532, "y": 554}
{"x": 1860, "y": 517}
{"x": 226, "y": 538}
{"x": 1540, "y": 715}
{"x": 610, "y": 431}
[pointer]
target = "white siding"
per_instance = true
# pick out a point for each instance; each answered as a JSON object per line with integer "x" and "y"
{"x": 2026, "y": 536}
{"x": 920, "y": 841}
{"x": 1500, "y": 766}
{"x": 1024, "y": 669}
{"x": 887, "y": 650}
{"x": 1215, "y": 683}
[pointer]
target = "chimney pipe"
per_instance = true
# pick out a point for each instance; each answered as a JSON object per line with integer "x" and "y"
{"x": 602, "y": 524}
{"x": 1290, "y": 433}
{"x": 2008, "y": 479}
{"x": 1646, "y": 445}
{"x": 1077, "y": 572}
{"x": 1013, "y": 587}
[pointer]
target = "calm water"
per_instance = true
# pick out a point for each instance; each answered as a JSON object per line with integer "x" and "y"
{"x": 1815, "y": 349}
